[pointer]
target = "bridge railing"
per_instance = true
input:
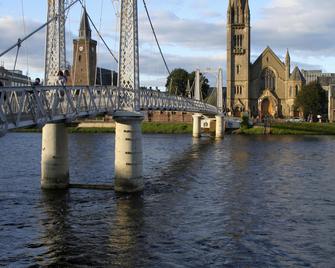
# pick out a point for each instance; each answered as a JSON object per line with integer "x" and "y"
{"x": 157, "y": 100}
{"x": 29, "y": 106}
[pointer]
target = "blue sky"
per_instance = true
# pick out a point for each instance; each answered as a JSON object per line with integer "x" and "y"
{"x": 192, "y": 33}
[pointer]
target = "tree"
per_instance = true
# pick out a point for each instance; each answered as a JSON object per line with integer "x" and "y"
{"x": 177, "y": 82}
{"x": 312, "y": 100}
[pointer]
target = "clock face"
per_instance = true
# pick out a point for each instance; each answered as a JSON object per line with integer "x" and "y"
{"x": 81, "y": 48}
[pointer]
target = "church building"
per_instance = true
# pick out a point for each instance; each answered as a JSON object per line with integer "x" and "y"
{"x": 266, "y": 87}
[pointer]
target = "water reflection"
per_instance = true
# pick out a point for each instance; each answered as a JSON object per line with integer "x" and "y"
{"x": 242, "y": 202}
{"x": 56, "y": 229}
{"x": 126, "y": 231}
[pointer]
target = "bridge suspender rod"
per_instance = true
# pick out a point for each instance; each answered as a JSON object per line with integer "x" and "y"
{"x": 153, "y": 31}
{"x": 98, "y": 32}
{"x": 20, "y": 41}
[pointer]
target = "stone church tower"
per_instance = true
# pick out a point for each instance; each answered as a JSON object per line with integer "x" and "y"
{"x": 84, "y": 55}
{"x": 265, "y": 87}
{"x": 238, "y": 55}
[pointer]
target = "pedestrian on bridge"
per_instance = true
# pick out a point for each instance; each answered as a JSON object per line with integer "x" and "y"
{"x": 37, "y": 82}
{"x": 61, "y": 80}
{"x": 4, "y": 98}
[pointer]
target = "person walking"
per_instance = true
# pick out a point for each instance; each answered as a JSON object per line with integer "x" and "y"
{"x": 4, "y": 98}
{"x": 37, "y": 82}
{"x": 61, "y": 79}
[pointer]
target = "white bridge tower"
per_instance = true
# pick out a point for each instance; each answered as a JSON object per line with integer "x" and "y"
{"x": 54, "y": 163}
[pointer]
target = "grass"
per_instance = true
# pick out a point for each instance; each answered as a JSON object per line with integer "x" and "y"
{"x": 147, "y": 127}
{"x": 294, "y": 129}
{"x": 166, "y": 128}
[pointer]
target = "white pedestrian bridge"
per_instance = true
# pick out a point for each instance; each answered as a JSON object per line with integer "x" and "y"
{"x": 37, "y": 106}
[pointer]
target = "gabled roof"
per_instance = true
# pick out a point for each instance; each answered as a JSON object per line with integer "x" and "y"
{"x": 297, "y": 75}
{"x": 269, "y": 50}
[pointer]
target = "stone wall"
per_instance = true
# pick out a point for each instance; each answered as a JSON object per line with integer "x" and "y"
{"x": 168, "y": 117}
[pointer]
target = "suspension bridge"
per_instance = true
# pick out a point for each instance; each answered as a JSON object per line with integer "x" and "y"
{"x": 52, "y": 106}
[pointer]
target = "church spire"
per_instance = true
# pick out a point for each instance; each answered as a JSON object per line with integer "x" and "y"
{"x": 288, "y": 64}
{"x": 85, "y": 29}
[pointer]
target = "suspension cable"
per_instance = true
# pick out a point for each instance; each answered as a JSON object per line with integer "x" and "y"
{"x": 154, "y": 33}
{"x": 96, "y": 29}
{"x": 20, "y": 41}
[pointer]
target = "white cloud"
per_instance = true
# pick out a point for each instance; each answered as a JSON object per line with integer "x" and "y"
{"x": 303, "y": 26}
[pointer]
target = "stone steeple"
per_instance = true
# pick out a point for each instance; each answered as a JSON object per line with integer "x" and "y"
{"x": 288, "y": 65}
{"x": 85, "y": 29}
{"x": 84, "y": 55}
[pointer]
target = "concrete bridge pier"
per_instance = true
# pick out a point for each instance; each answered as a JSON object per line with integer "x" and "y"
{"x": 220, "y": 126}
{"x": 197, "y": 125}
{"x": 128, "y": 152}
{"x": 55, "y": 163}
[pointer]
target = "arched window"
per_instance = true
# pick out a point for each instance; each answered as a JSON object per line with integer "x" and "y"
{"x": 296, "y": 90}
{"x": 291, "y": 91}
{"x": 238, "y": 69}
{"x": 268, "y": 79}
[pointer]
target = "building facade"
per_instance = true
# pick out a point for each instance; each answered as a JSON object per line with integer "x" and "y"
{"x": 266, "y": 87}
{"x": 13, "y": 78}
{"x": 316, "y": 75}
{"x": 311, "y": 75}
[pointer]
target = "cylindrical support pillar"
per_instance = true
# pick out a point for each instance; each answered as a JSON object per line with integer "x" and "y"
{"x": 55, "y": 163}
{"x": 128, "y": 152}
{"x": 196, "y": 125}
{"x": 220, "y": 127}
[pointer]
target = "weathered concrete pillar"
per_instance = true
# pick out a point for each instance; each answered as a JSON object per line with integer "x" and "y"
{"x": 196, "y": 125}
{"x": 220, "y": 126}
{"x": 128, "y": 152}
{"x": 55, "y": 163}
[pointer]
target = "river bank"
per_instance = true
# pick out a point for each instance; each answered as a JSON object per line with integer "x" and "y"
{"x": 184, "y": 128}
{"x": 147, "y": 128}
{"x": 289, "y": 128}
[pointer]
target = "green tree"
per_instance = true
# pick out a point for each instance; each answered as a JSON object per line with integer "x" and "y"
{"x": 177, "y": 82}
{"x": 312, "y": 100}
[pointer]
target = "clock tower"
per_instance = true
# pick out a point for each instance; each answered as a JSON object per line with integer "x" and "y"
{"x": 84, "y": 56}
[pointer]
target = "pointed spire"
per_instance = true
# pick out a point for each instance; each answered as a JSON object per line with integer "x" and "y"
{"x": 288, "y": 64}
{"x": 287, "y": 58}
{"x": 85, "y": 29}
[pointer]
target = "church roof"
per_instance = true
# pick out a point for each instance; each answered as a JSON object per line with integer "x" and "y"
{"x": 297, "y": 75}
{"x": 269, "y": 50}
{"x": 85, "y": 29}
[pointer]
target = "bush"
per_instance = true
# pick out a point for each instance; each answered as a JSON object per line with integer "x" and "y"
{"x": 245, "y": 121}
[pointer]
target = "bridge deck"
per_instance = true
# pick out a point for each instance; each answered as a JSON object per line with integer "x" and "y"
{"x": 29, "y": 106}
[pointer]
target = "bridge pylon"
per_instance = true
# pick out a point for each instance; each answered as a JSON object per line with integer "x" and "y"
{"x": 54, "y": 160}
{"x": 128, "y": 136}
{"x": 197, "y": 96}
{"x": 220, "y": 123}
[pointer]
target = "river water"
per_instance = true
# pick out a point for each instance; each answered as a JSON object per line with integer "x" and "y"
{"x": 241, "y": 202}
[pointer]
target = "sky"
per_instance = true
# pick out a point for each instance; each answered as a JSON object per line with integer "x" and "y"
{"x": 192, "y": 33}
